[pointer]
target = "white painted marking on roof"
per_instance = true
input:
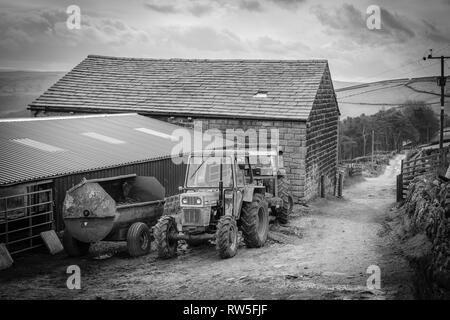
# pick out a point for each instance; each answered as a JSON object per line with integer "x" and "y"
{"x": 67, "y": 117}
{"x": 260, "y": 94}
{"x": 38, "y": 145}
{"x": 157, "y": 133}
{"x": 102, "y": 137}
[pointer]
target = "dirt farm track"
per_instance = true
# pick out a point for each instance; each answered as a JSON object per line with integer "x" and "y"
{"x": 323, "y": 253}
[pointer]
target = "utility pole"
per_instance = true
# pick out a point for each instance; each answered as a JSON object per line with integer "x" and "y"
{"x": 441, "y": 82}
{"x": 373, "y": 143}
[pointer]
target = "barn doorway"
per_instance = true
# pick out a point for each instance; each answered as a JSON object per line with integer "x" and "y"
{"x": 322, "y": 187}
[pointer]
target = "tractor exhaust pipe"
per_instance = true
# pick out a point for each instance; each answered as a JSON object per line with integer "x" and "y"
{"x": 220, "y": 208}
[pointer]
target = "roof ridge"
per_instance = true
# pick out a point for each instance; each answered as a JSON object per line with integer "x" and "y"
{"x": 105, "y": 115}
{"x": 204, "y": 60}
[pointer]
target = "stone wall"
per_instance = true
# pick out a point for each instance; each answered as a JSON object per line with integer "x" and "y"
{"x": 426, "y": 223}
{"x": 322, "y": 141}
{"x": 292, "y": 139}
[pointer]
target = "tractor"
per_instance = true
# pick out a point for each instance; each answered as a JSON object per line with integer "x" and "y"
{"x": 225, "y": 192}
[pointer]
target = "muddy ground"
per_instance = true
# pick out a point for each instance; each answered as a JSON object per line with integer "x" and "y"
{"x": 323, "y": 253}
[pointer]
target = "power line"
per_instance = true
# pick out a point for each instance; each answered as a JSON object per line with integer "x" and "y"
{"x": 387, "y": 87}
{"x": 420, "y": 68}
{"x": 402, "y": 66}
{"x": 372, "y": 90}
{"x": 384, "y": 103}
{"x": 391, "y": 69}
{"x": 442, "y": 49}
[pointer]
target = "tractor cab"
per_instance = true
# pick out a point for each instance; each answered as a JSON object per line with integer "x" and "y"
{"x": 214, "y": 186}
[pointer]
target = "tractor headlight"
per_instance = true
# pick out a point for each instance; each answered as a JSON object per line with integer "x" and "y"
{"x": 184, "y": 200}
{"x": 198, "y": 201}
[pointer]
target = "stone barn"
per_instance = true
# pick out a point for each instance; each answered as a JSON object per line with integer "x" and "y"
{"x": 294, "y": 96}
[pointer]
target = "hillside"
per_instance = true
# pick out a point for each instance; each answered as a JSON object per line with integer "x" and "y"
{"x": 369, "y": 98}
{"x": 344, "y": 84}
{"x": 19, "y": 88}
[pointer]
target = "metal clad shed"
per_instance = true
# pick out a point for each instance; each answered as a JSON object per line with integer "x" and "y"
{"x": 41, "y": 158}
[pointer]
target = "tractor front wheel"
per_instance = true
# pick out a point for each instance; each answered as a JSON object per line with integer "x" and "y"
{"x": 138, "y": 239}
{"x": 255, "y": 221}
{"x": 227, "y": 237}
{"x": 164, "y": 232}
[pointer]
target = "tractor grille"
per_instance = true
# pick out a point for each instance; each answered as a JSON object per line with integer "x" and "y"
{"x": 192, "y": 216}
{"x": 196, "y": 216}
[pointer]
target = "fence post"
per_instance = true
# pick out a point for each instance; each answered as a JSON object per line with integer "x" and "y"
{"x": 399, "y": 187}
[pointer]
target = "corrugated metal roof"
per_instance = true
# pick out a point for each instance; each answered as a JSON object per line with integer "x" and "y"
{"x": 32, "y": 149}
{"x": 209, "y": 88}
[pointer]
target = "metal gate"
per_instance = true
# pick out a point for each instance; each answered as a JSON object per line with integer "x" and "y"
{"x": 24, "y": 216}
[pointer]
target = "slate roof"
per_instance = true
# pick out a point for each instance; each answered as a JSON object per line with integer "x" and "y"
{"x": 215, "y": 88}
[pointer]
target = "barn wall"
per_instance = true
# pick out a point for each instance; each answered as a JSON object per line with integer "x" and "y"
{"x": 292, "y": 139}
{"x": 322, "y": 141}
{"x": 168, "y": 173}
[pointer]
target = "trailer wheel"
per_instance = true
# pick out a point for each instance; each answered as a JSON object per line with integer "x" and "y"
{"x": 164, "y": 232}
{"x": 138, "y": 239}
{"x": 288, "y": 202}
{"x": 255, "y": 221}
{"x": 227, "y": 237}
{"x": 74, "y": 247}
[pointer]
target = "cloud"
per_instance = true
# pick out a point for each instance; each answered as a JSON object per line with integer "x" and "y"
{"x": 269, "y": 45}
{"x": 395, "y": 24}
{"x": 250, "y": 5}
{"x": 162, "y": 8}
{"x": 197, "y": 8}
{"x": 203, "y": 38}
{"x": 288, "y": 4}
{"x": 434, "y": 33}
{"x": 41, "y": 37}
{"x": 201, "y": 8}
{"x": 350, "y": 22}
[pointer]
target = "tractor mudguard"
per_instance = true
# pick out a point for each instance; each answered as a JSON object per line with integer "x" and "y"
{"x": 248, "y": 193}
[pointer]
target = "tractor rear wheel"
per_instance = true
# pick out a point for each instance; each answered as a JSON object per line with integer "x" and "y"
{"x": 164, "y": 233}
{"x": 74, "y": 247}
{"x": 288, "y": 202}
{"x": 254, "y": 221}
{"x": 227, "y": 237}
{"x": 138, "y": 239}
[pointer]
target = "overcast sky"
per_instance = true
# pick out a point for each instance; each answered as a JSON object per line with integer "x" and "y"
{"x": 34, "y": 35}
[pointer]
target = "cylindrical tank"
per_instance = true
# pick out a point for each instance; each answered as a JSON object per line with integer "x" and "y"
{"x": 89, "y": 212}
{"x": 94, "y": 209}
